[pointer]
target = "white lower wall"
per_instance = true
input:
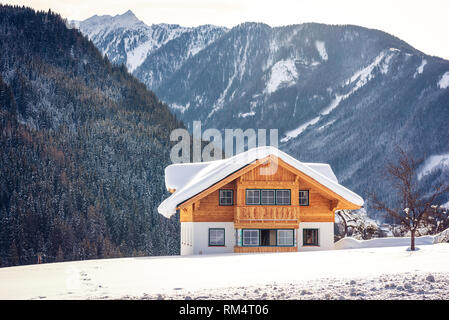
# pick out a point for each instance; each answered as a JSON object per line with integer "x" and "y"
{"x": 325, "y": 235}
{"x": 195, "y": 237}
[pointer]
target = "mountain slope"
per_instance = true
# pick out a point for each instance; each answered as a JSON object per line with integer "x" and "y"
{"x": 83, "y": 146}
{"x": 163, "y": 62}
{"x": 343, "y": 95}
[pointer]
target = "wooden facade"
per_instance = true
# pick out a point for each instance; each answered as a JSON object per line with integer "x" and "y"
{"x": 268, "y": 173}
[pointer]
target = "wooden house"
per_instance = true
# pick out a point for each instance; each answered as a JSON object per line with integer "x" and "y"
{"x": 262, "y": 200}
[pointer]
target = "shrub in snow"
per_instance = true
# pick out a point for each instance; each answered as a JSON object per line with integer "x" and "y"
{"x": 355, "y": 224}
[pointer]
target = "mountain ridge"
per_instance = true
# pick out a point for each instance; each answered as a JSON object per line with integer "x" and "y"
{"x": 317, "y": 84}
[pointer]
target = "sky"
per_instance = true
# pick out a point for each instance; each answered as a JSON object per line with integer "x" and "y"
{"x": 422, "y": 24}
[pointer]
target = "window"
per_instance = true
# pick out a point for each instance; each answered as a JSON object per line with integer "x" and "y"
{"x": 226, "y": 197}
{"x": 216, "y": 237}
{"x": 285, "y": 237}
{"x": 268, "y": 237}
{"x": 252, "y": 196}
{"x": 303, "y": 197}
{"x": 267, "y": 197}
{"x": 310, "y": 237}
{"x": 283, "y": 197}
{"x": 250, "y": 237}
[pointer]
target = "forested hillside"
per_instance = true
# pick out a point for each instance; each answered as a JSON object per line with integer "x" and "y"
{"x": 83, "y": 148}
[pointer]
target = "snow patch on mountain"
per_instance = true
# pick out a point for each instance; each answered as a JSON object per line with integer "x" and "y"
{"x": 366, "y": 74}
{"x": 444, "y": 81}
{"x": 283, "y": 73}
{"x": 327, "y": 124}
{"x": 180, "y": 107}
{"x": 420, "y": 69}
{"x": 432, "y": 163}
{"x": 137, "y": 56}
{"x": 296, "y": 132}
{"x": 386, "y": 64}
{"x": 321, "y": 47}
{"x": 359, "y": 79}
{"x": 247, "y": 114}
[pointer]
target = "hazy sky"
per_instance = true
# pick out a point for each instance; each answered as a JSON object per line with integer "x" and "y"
{"x": 423, "y": 24}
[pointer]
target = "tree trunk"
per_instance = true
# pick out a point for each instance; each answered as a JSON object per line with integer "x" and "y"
{"x": 412, "y": 240}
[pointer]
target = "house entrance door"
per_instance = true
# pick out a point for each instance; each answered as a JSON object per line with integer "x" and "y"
{"x": 268, "y": 237}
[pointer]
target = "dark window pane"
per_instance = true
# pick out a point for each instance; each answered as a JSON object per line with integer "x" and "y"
{"x": 310, "y": 237}
{"x": 250, "y": 237}
{"x": 285, "y": 237}
{"x": 226, "y": 197}
{"x": 303, "y": 197}
{"x": 283, "y": 197}
{"x": 216, "y": 237}
{"x": 267, "y": 197}
{"x": 253, "y": 196}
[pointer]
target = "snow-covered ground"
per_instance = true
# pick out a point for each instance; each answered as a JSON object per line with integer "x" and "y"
{"x": 386, "y": 272}
{"x": 401, "y": 286}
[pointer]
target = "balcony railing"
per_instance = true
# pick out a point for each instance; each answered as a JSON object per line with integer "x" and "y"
{"x": 266, "y": 213}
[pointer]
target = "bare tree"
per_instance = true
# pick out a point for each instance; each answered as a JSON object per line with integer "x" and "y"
{"x": 414, "y": 207}
{"x": 356, "y": 224}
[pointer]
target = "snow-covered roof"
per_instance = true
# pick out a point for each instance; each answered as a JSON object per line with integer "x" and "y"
{"x": 189, "y": 179}
{"x": 323, "y": 168}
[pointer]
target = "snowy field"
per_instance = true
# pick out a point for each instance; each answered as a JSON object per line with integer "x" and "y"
{"x": 364, "y": 273}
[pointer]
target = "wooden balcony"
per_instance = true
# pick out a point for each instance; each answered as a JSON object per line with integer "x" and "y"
{"x": 266, "y": 217}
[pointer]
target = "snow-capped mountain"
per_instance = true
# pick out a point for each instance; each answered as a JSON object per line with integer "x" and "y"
{"x": 162, "y": 63}
{"x": 343, "y": 95}
{"x": 125, "y": 39}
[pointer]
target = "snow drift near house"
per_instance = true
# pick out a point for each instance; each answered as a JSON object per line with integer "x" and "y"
{"x": 351, "y": 243}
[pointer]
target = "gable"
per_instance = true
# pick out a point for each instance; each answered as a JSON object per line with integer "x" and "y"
{"x": 265, "y": 171}
{"x": 268, "y": 172}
